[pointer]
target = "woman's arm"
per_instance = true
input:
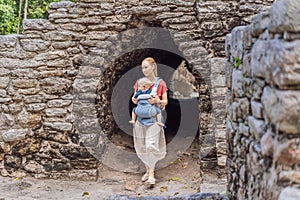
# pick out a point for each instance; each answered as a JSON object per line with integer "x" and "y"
{"x": 134, "y": 100}
{"x": 164, "y": 99}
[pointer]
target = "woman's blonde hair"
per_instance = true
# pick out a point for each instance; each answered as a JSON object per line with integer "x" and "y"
{"x": 153, "y": 63}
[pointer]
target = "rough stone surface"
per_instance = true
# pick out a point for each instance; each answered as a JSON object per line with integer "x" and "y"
{"x": 59, "y": 68}
{"x": 264, "y": 142}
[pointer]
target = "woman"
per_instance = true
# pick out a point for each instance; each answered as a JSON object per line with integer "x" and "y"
{"x": 149, "y": 138}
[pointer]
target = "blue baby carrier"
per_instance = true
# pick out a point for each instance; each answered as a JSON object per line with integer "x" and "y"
{"x": 146, "y": 112}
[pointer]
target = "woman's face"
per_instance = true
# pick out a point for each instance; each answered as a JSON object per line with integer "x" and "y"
{"x": 147, "y": 68}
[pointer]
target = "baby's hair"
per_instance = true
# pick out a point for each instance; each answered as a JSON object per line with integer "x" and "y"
{"x": 144, "y": 81}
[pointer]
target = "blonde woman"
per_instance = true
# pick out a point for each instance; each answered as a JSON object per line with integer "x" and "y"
{"x": 149, "y": 138}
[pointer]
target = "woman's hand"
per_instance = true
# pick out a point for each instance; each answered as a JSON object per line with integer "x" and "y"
{"x": 154, "y": 100}
{"x": 134, "y": 100}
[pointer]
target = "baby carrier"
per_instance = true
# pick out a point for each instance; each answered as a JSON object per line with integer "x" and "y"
{"x": 146, "y": 112}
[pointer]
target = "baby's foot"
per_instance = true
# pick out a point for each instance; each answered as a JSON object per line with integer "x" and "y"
{"x": 132, "y": 122}
{"x": 161, "y": 124}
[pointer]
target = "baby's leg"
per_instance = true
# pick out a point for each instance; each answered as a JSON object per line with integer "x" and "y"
{"x": 158, "y": 117}
{"x": 133, "y": 118}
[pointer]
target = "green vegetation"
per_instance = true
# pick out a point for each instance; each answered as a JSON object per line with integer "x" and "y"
{"x": 12, "y": 12}
{"x": 237, "y": 62}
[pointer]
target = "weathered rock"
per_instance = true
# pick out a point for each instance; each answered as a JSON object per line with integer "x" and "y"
{"x": 257, "y": 109}
{"x": 275, "y": 67}
{"x": 267, "y": 143}
{"x": 8, "y": 41}
{"x": 280, "y": 104}
{"x": 14, "y": 135}
{"x": 37, "y": 24}
{"x": 59, "y": 126}
{"x": 28, "y": 120}
{"x": 284, "y": 15}
{"x": 237, "y": 83}
{"x": 4, "y": 81}
{"x": 257, "y": 127}
{"x": 55, "y": 85}
{"x": 287, "y": 153}
{"x": 34, "y": 44}
{"x": 289, "y": 193}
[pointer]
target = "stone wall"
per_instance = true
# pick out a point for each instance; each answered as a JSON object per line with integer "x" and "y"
{"x": 263, "y": 121}
{"x": 50, "y": 77}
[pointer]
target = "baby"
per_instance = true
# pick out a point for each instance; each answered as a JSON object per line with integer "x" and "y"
{"x": 146, "y": 109}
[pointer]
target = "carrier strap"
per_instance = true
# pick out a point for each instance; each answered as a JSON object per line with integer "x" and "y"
{"x": 154, "y": 89}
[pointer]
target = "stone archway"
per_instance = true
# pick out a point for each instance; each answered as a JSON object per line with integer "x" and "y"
{"x": 167, "y": 53}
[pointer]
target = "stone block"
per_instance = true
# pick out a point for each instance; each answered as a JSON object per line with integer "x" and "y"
{"x": 257, "y": 127}
{"x": 259, "y": 64}
{"x": 89, "y": 72}
{"x": 244, "y": 129}
{"x": 247, "y": 86}
{"x": 4, "y": 81}
{"x": 287, "y": 152}
{"x": 28, "y": 120}
{"x": 37, "y": 25}
{"x": 15, "y": 108}
{"x": 4, "y": 72}
{"x": 238, "y": 36}
{"x": 237, "y": 84}
{"x": 267, "y": 143}
{"x": 85, "y": 85}
{"x": 284, "y": 16}
{"x": 289, "y": 193}
{"x": 90, "y": 140}
{"x": 56, "y": 112}
{"x": 291, "y": 36}
{"x": 215, "y": 6}
{"x": 228, "y": 74}
{"x": 282, "y": 109}
{"x": 6, "y": 120}
{"x": 217, "y": 65}
{"x": 55, "y": 85}
{"x": 15, "y": 135}
{"x": 24, "y": 83}
{"x": 260, "y": 23}
{"x": 33, "y": 167}
{"x": 35, "y": 107}
{"x": 35, "y": 45}
{"x": 240, "y": 110}
{"x": 290, "y": 176}
{"x": 257, "y": 109}
{"x": 61, "y": 4}
{"x": 58, "y": 103}
{"x": 228, "y": 45}
{"x": 276, "y": 61}
{"x": 63, "y": 35}
{"x": 257, "y": 88}
{"x": 246, "y": 66}
{"x": 8, "y": 41}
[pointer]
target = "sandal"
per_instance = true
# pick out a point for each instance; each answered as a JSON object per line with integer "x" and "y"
{"x": 145, "y": 177}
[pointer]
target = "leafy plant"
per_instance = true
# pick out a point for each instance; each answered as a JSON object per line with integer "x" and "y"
{"x": 12, "y": 13}
{"x": 237, "y": 62}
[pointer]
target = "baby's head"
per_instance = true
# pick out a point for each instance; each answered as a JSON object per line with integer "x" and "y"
{"x": 144, "y": 84}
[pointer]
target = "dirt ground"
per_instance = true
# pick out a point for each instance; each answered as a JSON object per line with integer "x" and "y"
{"x": 181, "y": 176}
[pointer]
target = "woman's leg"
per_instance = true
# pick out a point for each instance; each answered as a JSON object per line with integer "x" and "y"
{"x": 151, "y": 179}
{"x": 145, "y": 177}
